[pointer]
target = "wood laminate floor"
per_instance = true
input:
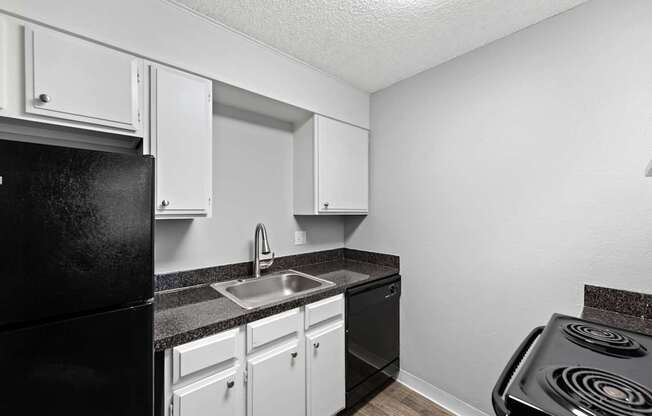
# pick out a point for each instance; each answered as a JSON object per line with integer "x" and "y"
{"x": 397, "y": 400}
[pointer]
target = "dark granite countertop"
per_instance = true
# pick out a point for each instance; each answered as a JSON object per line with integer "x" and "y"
{"x": 618, "y": 320}
{"x": 618, "y": 308}
{"x": 191, "y": 313}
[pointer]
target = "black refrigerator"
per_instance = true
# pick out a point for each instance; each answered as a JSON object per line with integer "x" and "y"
{"x": 76, "y": 270}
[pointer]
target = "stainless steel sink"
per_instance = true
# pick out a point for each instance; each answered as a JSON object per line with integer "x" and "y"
{"x": 252, "y": 293}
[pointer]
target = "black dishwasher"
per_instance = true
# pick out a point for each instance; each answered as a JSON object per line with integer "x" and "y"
{"x": 372, "y": 336}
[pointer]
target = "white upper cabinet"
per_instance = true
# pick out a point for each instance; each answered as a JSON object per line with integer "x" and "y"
{"x": 71, "y": 79}
{"x": 343, "y": 170}
{"x": 331, "y": 168}
{"x": 181, "y": 140}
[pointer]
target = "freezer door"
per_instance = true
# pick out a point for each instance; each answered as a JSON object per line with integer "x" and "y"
{"x": 95, "y": 365}
{"x": 76, "y": 231}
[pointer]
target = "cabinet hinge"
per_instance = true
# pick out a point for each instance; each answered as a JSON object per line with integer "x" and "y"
{"x": 171, "y": 410}
{"x": 210, "y": 97}
{"x": 246, "y": 376}
{"x": 138, "y": 77}
{"x": 139, "y": 116}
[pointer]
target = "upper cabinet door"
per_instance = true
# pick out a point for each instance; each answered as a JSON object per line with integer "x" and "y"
{"x": 181, "y": 132}
{"x": 69, "y": 78}
{"x": 343, "y": 166}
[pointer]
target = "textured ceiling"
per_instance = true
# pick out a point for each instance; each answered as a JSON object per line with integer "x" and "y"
{"x": 375, "y": 43}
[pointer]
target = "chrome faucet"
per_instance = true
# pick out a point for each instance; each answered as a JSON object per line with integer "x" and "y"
{"x": 258, "y": 250}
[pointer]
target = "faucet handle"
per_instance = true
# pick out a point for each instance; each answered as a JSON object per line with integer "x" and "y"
{"x": 266, "y": 264}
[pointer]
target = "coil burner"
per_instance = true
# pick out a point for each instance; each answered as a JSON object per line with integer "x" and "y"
{"x": 597, "y": 392}
{"x": 604, "y": 340}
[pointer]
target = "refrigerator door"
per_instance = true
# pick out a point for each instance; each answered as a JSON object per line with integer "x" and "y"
{"x": 76, "y": 231}
{"x": 99, "y": 365}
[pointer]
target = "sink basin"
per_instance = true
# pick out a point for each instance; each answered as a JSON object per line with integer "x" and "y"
{"x": 252, "y": 293}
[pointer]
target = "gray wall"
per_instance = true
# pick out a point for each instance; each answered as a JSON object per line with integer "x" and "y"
{"x": 252, "y": 182}
{"x": 506, "y": 179}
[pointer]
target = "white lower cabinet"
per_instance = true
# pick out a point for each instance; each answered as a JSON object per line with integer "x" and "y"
{"x": 289, "y": 364}
{"x": 213, "y": 395}
{"x": 325, "y": 370}
{"x": 276, "y": 382}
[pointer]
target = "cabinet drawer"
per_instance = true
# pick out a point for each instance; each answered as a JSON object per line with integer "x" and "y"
{"x": 324, "y": 309}
{"x": 270, "y": 329}
{"x": 206, "y": 352}
{"x": 215, "y": 395}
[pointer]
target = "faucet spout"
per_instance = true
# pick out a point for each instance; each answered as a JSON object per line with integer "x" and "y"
{"x": 261, "y": 246}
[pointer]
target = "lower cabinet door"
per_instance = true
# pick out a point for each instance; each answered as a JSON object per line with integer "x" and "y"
{"x": 325, "y": 370}
{"x": 214, "y": 395}
{"x": 276, "y": 384}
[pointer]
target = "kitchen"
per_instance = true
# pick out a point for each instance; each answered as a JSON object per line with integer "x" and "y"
{"x": 486, "y": 177}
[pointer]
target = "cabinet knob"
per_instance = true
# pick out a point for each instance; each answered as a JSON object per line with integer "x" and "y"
{"x": 294, "y": 354}
{"x": 44, "y": 98}
{"x": 316, "y": 345}
{"x": 326, "y": 204}
{"x": 165, "y": 203}
{"x": 230, "y": 384}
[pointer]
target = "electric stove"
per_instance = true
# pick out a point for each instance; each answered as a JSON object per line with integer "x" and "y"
{"x": 573, "y": 367}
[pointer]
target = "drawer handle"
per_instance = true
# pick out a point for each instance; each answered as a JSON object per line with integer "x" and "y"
{"x": 316, "y": 345}
{"x": 295, "y": 354}
{"x": 45, "y": 98}
{"x": 165, "y": 203}
{"x": 230, "y": 384}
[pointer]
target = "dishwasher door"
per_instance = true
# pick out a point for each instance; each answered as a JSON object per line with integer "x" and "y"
{"x": 372, "y": 335}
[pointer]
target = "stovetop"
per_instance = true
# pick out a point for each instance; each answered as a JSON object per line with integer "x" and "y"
{"x": 580, "y": 368}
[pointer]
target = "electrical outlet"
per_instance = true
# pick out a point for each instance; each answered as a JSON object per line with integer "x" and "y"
{"x": 299, "y": 238}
